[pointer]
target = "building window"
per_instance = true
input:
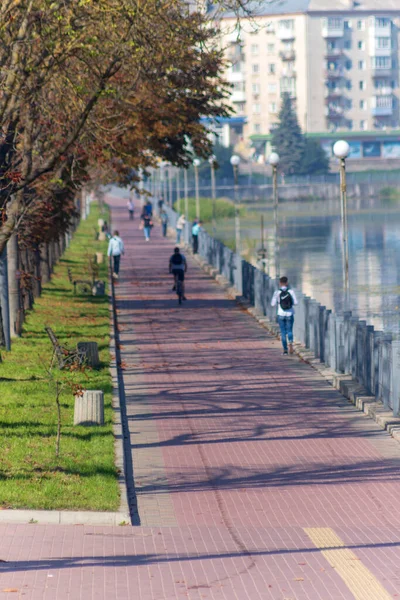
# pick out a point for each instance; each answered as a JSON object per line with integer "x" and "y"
{"x": 347, "y": 24}
{"x": 349, "y": 85}
{"x": 271, "y": 69}
{"x": 272, "y": 88}
{"x": 360, "y": 25}
{"x": 381, "y": 62}
{"x": 362, "y": 85}
{"x": 270, "y": 28}
{"x": 237, "y": 67}
{"x": 334, "y": 23}
{"x": 254, "y": 49}
{"x": 347, "y": 44}
{"x": 381, "y": 22}
{"x": 286, "y": 25}
{"x": 350, "y": 125}
{"x": 271, "y": 48}
{"x": 256, "y": 88}
{"x": 363, "y": 104}
{"x": 363, "y": 125}
{"x": 238, "y": 86}
{"x": 383, "y": 43}
{"x": 361, "y": 65}
{"x": 240, "y": 106}
{"x": 256, "y": 108}
{"x": 255, "y": 68}
{"x": 361, "y": 45}
{"x": 272, "y": 107}
{"x": 348, "y": 64}
{"x": 257, "y": 128}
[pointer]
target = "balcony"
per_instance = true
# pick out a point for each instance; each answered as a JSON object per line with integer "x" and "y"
{"x": 381, "y": 71}
{"x": 382, "y": 106}
{"x": 382, "y": 111}
{"x": 333, "y": 30}
{"x": 384, "y": 91}
{"x": 374, "y": 51}
{"x": 379, "y": 29}
{"x": 286, "y": 33}
{"x": 334, "y": 73}
{"x": 287, "y": 55}
{"x": 334, "y": 53}
{"x": 334, "y": 112}
{"x": 289, "y": 72}
{"x": 333, "y": 93}
{"x": 238, "y": 96}
{"x": 292, "y": 92}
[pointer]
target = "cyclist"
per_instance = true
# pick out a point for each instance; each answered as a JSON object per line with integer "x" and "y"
{"x": 178, "y": 268}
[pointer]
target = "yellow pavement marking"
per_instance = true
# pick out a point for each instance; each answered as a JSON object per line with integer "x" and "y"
{"x": 360, "y": 581}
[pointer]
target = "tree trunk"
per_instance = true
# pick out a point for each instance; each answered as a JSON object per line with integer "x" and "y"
{"x": 4, "y": 298}
{"x": 14, "y": 286}
{"x": 37, "y": 279}
{"x": 44, "y": 263}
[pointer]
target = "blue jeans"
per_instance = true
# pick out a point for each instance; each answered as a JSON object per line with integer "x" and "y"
{"x": 164, "y": 229}
{"x": 286, "y": 327}
{"x": 116, "y": 260}
{"x": 147, "y": 232}
{"x": 178, "y": 236}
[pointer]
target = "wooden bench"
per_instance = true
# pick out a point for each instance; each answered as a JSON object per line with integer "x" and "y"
{"x": 86, "y": 283}
{"x": 65, "y": 356}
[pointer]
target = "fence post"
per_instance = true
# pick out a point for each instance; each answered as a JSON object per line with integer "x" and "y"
{"x": 395, "y": 391}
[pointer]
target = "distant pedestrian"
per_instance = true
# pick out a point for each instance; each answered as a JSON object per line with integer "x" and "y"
{"x": 285, "y": 299}
{"x": 147, "y": 225}
{"x": 195, "y": 236}
{"x": 164, "y": 222}
{"x": 160, "y": 204}
{"x": 131, "y": 209}
{"x": 180, "y": 224}
{"x": 116, "y": 249}
{"x": 148, "y": 208}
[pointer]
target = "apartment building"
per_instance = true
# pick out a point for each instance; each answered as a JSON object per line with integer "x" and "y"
{"x": 338, "y": 59}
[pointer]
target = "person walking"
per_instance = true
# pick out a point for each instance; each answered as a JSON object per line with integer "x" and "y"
{"x": 115, "y": 249}
{"x": 131, "y": 209}
{"x": 285, "y": 299}
{"x": 164, "y": 222}
{"x": 148, "y": 208}
{"x": 147, "y": 225}
{"x": 180, "y": 224}
{"x": 195, "y": 236}
{"x": 160, "y": 205}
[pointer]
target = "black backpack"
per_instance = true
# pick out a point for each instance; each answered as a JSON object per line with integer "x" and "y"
{"x": 177, "y": 259}
{"x": 286, "y": 300}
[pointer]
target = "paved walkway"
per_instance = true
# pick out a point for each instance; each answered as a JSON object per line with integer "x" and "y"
{"x": 254, "y": 478}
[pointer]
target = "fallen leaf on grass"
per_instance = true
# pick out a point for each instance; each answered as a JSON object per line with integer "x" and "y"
{"x": 11, "y": 590}
{"x": 299, "y": 579}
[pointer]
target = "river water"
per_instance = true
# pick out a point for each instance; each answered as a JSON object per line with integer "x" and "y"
{"x": 310, "y": 253}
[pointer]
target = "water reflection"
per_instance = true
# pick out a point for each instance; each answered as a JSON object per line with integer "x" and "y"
{"x": 311, "y": 255}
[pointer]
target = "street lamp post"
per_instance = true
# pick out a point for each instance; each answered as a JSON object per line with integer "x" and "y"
{"x": 341, "y": 150}
{"x": 274, "y": 162}
{"x": 178, "y": 191}
{"x": 196, "y": 164}
{"x": 235, "y": 161}
{"x": 185, "y": 191}
{"x": 212, "y": 160}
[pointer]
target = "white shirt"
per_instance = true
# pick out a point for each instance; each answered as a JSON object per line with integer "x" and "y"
{"x": 115, "y": 246}
{"x": 275, "y": 301}
{"x": 181, "y": 222}
{"x": 131, "y": 206}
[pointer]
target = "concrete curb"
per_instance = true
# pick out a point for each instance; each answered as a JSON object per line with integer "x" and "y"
{"x": 345, "y": 384}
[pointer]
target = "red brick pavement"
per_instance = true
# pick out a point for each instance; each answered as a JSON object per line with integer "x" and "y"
{"x": 237, "y": 452}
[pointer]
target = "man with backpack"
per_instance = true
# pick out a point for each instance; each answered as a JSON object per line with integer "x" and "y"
{"x": 178, "y": 268}
{"x": 285, "y": 299}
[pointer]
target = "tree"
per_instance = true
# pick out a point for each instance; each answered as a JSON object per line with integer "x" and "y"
{"x": 288, "y": 139}
{"x": 315, "y": 160}
{"x": 107, "y": 82}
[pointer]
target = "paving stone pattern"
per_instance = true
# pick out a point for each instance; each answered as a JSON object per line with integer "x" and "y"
{"x": 254, "y": 478}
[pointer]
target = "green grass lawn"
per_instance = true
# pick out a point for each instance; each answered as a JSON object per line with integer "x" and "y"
{"x": 84, "y": 475}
